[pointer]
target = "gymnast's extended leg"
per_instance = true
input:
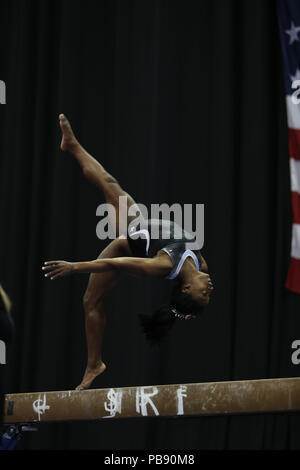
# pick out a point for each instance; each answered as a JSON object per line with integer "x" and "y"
{"x": 96, "y": 174}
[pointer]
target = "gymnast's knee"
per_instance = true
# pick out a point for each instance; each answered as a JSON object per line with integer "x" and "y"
{"x": 111, "y": 179}
{"x": 92, "y": 302}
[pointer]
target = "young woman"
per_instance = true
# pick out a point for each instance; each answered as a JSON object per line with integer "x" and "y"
{"x": 133, "y": 252}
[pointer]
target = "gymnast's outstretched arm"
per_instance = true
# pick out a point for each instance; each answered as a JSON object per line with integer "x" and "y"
{"x": 159, "y": 266}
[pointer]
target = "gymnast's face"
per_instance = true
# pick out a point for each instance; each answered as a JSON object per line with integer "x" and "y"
{"x": 200, "y": 288}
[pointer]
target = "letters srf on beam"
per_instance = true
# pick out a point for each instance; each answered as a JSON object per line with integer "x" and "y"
{"x": 215, "y": 398}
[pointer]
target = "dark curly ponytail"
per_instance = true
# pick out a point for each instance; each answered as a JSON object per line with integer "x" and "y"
{"x": 157, "y": 326}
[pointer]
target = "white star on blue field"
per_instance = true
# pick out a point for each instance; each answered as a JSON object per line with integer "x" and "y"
{"x": 289, "y": 26}
{"x": 293, "y": 33}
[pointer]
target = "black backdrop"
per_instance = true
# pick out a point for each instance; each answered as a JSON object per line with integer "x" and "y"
{"x": 182, "y": 102}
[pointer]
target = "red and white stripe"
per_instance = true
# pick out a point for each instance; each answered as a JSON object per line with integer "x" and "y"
{"x": 293, "y": 116}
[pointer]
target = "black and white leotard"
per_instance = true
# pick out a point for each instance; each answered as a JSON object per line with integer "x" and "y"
{"x": 169, "y": 237}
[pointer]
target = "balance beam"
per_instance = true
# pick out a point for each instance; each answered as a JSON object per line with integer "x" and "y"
{"x": 215, "y": 398}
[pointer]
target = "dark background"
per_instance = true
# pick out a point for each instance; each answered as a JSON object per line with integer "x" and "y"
{"x": 182, "y": 102}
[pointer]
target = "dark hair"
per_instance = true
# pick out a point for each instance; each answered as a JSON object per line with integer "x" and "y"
{"x": 158, "y": 325}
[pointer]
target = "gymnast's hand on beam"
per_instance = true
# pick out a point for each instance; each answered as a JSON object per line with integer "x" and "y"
{"x": 55, "y": 269}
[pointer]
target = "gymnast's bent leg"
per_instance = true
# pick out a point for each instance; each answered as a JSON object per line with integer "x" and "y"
{"x": 98, "y": 287}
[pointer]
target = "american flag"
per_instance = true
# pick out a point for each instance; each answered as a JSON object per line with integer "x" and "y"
{"x": 289, "y": 25}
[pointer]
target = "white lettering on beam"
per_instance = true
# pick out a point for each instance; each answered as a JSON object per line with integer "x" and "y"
{"x": 143, "y": 399}
{"x": 180, "y": 395}
{"x": 115, "y": 403}
{"x": 40, "y": 407}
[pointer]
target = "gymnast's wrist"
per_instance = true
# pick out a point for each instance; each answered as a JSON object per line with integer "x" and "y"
{"x": 82, "y": 267}
{"x": 75, "y": 268}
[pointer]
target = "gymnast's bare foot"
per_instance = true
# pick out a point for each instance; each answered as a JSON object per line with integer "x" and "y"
{"x": 90, "y": 375}
{"x": 69, "y": 141}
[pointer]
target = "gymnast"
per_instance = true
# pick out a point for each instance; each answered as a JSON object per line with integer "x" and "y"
{"x": 135, "y": 252}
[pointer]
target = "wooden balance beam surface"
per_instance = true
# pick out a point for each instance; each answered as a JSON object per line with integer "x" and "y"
{"x": 218, "y": 398}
